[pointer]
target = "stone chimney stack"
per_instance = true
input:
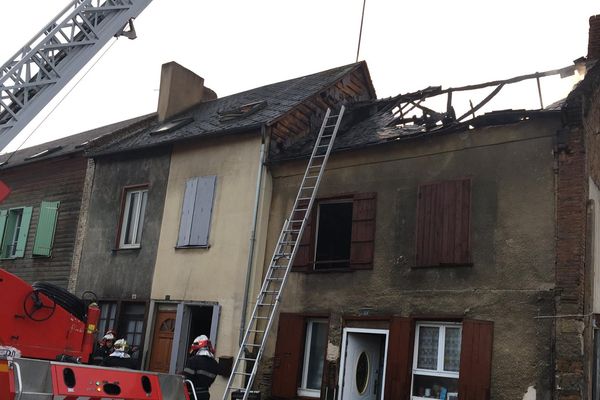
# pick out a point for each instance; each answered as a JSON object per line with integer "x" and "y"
{"x": 594, "y": 38}
{"x": 179, "y": 90}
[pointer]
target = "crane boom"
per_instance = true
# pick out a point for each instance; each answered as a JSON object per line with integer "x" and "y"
{"x": 39, "y": 70}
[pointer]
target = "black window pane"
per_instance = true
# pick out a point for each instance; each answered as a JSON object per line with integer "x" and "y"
{"x": 334, "y": 235}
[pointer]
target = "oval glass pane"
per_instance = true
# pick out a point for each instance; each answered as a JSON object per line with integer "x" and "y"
{"x": 362, "y": 373}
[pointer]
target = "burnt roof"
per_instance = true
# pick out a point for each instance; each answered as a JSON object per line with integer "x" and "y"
{"x": 64, "y": 146}
{"x": 370, "y": 123}
{"x": 240, "y": 112}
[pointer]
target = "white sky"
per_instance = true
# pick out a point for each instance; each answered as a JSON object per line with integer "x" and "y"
{"x": 237, "y": 45}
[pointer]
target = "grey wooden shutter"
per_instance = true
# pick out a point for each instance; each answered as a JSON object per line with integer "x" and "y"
{"x": 187, "y": 212}
{"x": 196, "y": 211}
{"x": 202, "y": 210}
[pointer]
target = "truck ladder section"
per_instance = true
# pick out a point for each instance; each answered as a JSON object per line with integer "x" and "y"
{"x": 39, "y": 379}
{"x": 37, "y": 72}
{"x": 255, "y": 338}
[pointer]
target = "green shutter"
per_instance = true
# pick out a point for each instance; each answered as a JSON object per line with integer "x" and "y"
{"x": 44, "y": 235}
{"x": 3, "y": 217}
{"x": 23, "y": 231}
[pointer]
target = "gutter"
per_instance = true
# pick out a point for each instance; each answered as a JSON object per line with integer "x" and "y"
{"x": 252, "y": 244}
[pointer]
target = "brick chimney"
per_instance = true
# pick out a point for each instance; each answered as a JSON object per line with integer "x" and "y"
{"x": 179, "y": 90}
{"x": 594, "y": 38}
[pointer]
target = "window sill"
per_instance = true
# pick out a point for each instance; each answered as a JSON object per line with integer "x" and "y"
{"x": 118, "y": 249}
{"x": 442, "y": 265}
{"x": 192, "y": 247}
{"x": 10, "y": 258}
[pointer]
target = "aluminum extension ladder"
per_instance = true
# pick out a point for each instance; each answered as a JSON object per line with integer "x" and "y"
{"x": 41, "y": 68}
{"x": 255, "y": 337}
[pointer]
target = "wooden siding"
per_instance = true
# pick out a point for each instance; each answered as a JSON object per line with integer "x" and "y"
{"x": 52, "y": 180}
{"x": 308, "y": 116}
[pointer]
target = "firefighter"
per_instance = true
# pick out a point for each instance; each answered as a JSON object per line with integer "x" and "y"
{"x": 104, "y": 348}
{"x": 201, "y": 368}
{"x": 120, "y": 356}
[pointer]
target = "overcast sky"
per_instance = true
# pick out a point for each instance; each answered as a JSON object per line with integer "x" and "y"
{"x": 237, "y": 45}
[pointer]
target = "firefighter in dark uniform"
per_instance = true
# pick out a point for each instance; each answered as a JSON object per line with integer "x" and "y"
{"x": 120, "y": 357}
{"x": 201, "y": 368}
{"x": 104, "y": 349}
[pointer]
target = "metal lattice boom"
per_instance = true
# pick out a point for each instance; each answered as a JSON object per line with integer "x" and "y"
{"x": 41, "y": 68}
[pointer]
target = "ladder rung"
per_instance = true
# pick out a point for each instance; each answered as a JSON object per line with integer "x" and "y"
{"x": 275, "y": 279}
{"x": 270, "y": 291}
{"x": 247, "y": 359}
{"x": 242, "y": 373}
{"x": 304, "y": 188}
{"x": 330, "y": 126}
{"x": 266, "y": 304}
{"x": 319, "y": 156}
{"x": 334, "y": 116}
{"x": 234, "y": 389}
{"x": 255, "y": 331}
{"x": 251, "y": 345}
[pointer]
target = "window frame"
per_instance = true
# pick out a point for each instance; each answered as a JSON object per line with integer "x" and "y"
{"x": 362, "y": 238}
{"x": 302, "y": 390}
{"x": 124, "y": 215}
{"x": 344, "y": 264}
{"x": 439, "y": 372}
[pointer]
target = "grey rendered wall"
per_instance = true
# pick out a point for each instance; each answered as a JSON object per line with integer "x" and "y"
{"x": 125, "y": 273}
{"x": 512, "y": 240}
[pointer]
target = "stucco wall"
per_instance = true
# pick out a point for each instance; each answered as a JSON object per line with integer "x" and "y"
{"x": 120, "y": 274}
{"x": 217, "y": 273}
{"x": 512, "y": 242}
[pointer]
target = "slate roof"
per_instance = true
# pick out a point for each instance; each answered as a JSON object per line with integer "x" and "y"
{"x": 64, "y": 146}
{"x": 280, "y": 98}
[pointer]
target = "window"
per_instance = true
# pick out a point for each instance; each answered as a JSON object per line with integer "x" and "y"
{"x": 436, "y": 360}
{"x": 131, "y": 325}
{"x": 427, "y": 359}
{"x": 314, "y": 356}
{"x": 340, "y": 235}
{"x": 108, "y": 318}
{"x": 196, "y": 212}
{"x": 44, "y": 234}
{"x": 132, "y": 217}
{"x": 14, "y": 225}
{"x": 299, "y": 361}
{"x": 443, "y": 222}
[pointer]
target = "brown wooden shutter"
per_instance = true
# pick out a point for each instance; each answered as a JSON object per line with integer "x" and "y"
{"x": 305, "y": 253}
{"x": 475, "y": 360}
{"x": 399, "y": 359}
{"x": 287, "y": 360}
{"x": 443, "y": 223}
{"x": 363, "y": 230}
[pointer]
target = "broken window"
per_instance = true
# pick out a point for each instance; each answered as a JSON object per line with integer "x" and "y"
{"x": 339, "y": 235}
{"x": 334, "y": 231}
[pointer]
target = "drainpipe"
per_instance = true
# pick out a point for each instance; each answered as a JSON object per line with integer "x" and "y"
{"x": 253, "y": 234}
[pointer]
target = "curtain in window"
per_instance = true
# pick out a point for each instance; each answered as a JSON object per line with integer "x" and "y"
{"x": 428, "y": 347}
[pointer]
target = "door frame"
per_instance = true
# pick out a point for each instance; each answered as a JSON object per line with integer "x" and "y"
{"x": 385, "y": 332}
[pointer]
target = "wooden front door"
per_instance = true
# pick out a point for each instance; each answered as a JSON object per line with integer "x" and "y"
{"x": 162, "y": 341}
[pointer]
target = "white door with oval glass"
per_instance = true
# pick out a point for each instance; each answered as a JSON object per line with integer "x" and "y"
{"x": 363, "y": 361}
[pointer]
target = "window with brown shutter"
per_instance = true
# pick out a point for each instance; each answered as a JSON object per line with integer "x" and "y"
{"x": 443, "y": 223}
{"x": 340, "y": 235}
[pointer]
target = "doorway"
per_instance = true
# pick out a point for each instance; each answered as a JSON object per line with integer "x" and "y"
{"x": 363, "y": 359}
{"x": 175, "y": 327}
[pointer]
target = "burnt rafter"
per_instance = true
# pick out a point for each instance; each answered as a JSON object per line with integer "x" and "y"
{"x": 400, "y": 106}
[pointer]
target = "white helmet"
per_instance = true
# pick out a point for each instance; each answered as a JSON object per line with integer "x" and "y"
{"x": 121, "y": 345}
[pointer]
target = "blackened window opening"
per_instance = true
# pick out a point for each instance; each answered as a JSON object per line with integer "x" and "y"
{"x": 334, "y": 234}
